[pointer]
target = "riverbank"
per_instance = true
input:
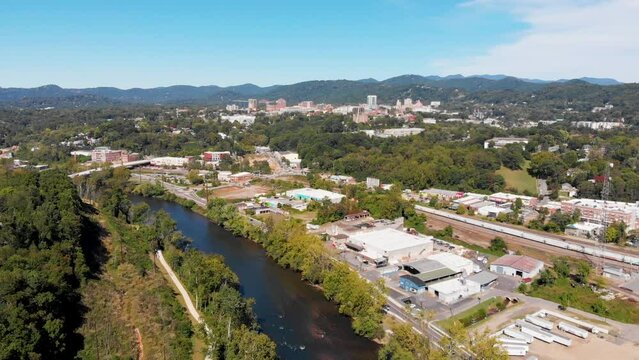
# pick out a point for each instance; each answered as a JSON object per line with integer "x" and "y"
{"x": 295, "y": 315}
{"x": 288, "y": 243}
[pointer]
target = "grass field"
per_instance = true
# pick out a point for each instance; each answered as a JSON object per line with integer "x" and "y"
{"x": 473, "y": 312}
{"x": 519, "y": 179}
{"x": 583, "y": 298}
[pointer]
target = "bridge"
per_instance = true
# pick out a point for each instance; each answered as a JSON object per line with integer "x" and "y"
{"x": 129, "y": 164}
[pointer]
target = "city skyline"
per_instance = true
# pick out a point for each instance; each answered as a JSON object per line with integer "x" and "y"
{"x": 150, "y": 44}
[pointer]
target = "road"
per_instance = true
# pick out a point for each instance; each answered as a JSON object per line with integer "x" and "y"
{"x": 126, "y": 164}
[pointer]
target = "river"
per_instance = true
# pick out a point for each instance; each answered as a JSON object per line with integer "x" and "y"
{"x": 290, "y": 311}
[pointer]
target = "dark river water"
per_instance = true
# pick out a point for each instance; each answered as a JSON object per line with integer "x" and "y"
{"x": 290, "y": 311}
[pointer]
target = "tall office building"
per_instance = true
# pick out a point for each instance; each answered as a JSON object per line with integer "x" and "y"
{"x": 371, "y": 101}
{"x": 252, "y": 104}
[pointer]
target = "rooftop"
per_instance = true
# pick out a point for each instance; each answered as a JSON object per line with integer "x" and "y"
{"x": 585, "y": 226}
{"x": 389, "y": 239}
{"x": 314, "y": 193}
{"x": 518, "y": 262}
{"x": 482, "y": 278}
{"x": 450, "y": 260}
{"x": 447, "y": 286}
{"x": 426, "y": 265}
{"x": 600, "y": 204}
{"x": 436, "y": 275}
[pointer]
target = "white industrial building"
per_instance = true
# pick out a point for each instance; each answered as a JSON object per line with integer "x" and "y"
{"x": 493, "y": 211}
{"x": 454, "y": 262}
{"x": 453, "y": 290}
{"x": 584, "y": 229}
{"x": 314, "y": 194}
{"x": 240, "y": 118}
{"x": 396, "y": 245}
{"x": 498, "y": 143}
{"x": 517, "y": 265}
{"x": 171, "y": 161}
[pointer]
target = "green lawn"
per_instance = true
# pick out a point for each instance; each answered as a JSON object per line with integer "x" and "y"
{"x": 474, "y": 311}
{"x": 583, "y": 298}
{"x": 519, "y": 179}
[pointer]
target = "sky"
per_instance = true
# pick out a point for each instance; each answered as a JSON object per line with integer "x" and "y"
{"x": 149, "y": 43}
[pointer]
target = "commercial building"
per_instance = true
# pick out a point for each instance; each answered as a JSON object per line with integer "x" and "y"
{"x": 484, "y": 278}
{"x": 342, "y": 179}
{"x": 372, "y": 183}
{"x": 453, "y": 290}
{"x": 104, "y": 154}
{"x": 276, "y": 202}
{"x": 252, "y": 104}
{"x": 394, "y": 245}
{"x": 396, "y": 132}
{"x": 492, "y": 211}
{"x": 215, "y": 156}
{"x": 280, "y": 104}
{"x": 584, "y": 230}
{"x": 454, "y": 262}
{"x": 517, "y": 265}
{"x": 447, "y": 195}
{"x": 502, "y": 198}
{"x": 371, "y": 102}
{"x": 171, "y": 161}
{"x": 593, "y": 211}
{"x": 292, "y": 158}
{"x": 568, "y": 190}
{"x": 423, "y": 273}
{"x": 500, "y": 142}
{"x": 314, "y": 194}
{"x": 240, "y": 118}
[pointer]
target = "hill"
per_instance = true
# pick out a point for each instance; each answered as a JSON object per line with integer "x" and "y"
{"x": 331, "y": 91}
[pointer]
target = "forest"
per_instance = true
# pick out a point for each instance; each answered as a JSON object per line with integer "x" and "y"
{"x": 43, "y": 238}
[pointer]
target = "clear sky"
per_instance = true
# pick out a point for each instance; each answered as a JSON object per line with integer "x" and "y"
{"x": 147, "y": 43}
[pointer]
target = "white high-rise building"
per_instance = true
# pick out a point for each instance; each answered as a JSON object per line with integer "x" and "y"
{"x": 371, "y": 101}
{"x": 252, "y": 104}
{"x": 408, "y": 103}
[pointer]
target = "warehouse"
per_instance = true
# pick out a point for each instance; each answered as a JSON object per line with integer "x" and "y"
{"x": 395, "y": 245}
{"x": 315, "y": 194}
{"x": 170, "y": 161}
{"x": 453, "y": 290}
{"x": 516, "y": 265}
{"x": 454, "y": 262}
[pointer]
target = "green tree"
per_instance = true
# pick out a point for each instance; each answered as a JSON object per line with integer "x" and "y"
{"x": 546, "y": 165}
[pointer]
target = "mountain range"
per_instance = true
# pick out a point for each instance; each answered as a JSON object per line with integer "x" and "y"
{"x": 332, "y": 91}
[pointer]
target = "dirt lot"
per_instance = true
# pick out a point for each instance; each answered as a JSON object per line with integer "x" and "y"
{"x": 591, "y": 348}
{"x": 240, "y": 192}
{"x": 261, "y": 157}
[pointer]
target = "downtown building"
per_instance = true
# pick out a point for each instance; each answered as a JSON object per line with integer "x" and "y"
{"x": 592, "y": 211}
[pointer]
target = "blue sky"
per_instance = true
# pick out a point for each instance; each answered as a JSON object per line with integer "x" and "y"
{"x": 142, "y": 43}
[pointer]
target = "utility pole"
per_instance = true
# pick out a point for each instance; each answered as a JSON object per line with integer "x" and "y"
{"x": 605, "y": 195}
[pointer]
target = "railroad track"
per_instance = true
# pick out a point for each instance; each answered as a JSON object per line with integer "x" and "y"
{"x": 553, "y": 245}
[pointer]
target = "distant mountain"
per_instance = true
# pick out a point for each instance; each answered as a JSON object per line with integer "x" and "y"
{"x": 597, "y": 81}
{"x": 331, "y": 91}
